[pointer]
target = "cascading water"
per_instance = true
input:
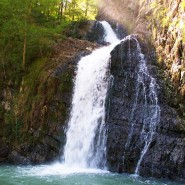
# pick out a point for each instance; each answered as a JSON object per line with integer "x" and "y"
{"x": 109, "y": 36}
{"x": 86, "y": 136}
{"x": 152, "y": 118}
{"x": 147, "y": 96}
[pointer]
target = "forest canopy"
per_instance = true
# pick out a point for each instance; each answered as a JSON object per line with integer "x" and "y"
{"x": 29, "y": 27}
{"x": 29, "y": 32}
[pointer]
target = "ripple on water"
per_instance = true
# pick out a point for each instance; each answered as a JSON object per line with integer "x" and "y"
{"x": 57, "y": 174}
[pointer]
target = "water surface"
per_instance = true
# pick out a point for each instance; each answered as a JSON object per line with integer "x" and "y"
{"x": 58, "y": 174}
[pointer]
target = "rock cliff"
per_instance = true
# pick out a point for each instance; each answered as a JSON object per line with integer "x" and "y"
{"x": 35, "y": 130}
{"x": 166, "y": 153}
{"x": 162, "y": 24}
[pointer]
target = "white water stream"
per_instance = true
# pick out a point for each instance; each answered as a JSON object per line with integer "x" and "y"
{"x": 150, "y": 108}
{"x": 152, "y": 119}
{"x": 86, "y": 135}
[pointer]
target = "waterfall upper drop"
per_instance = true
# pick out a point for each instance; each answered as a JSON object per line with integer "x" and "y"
{"x": 86, "y": 135}
{"x": 109, "y": 36}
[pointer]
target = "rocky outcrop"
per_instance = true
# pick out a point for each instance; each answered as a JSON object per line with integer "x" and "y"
{"x": 160, "y": 26}
{"x": 96, "y": 34}
{"x": 39, "y": 112}
{"x": 4, "y": 151}
{"x": 161, "y": 23}
{"x": 35, "y": 117}
{"x": 165, "y": 157}
{"x": 166, "y": 26}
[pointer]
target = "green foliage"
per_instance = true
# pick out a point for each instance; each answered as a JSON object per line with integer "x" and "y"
{"x": 29, "y": 27}
{"x": 183, "y": 34}
{"x": 28, "y": 30}
{"x": 162, "y": 17}
{"x": 182, "y": 4}
{"x": 80, "y": 9}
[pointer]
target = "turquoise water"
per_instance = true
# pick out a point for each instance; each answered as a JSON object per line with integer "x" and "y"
{"x": 57, "y": 175}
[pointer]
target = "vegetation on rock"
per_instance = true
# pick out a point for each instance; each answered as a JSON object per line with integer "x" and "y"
{"x": 163, "y": 23}
{"x": 31, "y": 31}
{"x": 167, "y": 24}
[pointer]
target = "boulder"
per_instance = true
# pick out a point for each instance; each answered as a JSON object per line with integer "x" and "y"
{"x": 15, "y": 158}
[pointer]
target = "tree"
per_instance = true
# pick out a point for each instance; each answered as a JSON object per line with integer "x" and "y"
{"x": 22, "y": 21}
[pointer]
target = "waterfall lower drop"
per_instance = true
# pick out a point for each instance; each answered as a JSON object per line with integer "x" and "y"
{"x": 86, "y": 135}
{"x": 153, "y": 117}
{"x": 150, "y": 109}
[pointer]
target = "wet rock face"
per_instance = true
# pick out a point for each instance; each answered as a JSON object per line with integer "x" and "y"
{"x": 4, "y": 151}
{"x": 165, "y": 157}
{"x": 162, "y": 23}
{"x": 119, "y": 29}
{"x": 44, "y": 151}
{"x": 16, "y": 158}
{"x": 96, "y": 34}
{"x": 123, "y": 69}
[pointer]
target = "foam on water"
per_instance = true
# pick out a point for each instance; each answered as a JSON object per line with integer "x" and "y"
{"x": 57, "y": 169}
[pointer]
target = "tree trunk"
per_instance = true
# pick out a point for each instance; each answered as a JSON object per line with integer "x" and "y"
{"x": 74, "y": 6}
{"x": 61, "y": 10}
{"x": 24, "y": 51}
{"x": 86, "y": 8}
{"x": 66, "y": 4}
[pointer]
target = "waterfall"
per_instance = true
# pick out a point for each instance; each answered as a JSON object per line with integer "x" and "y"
{"x": 86, "y": 135}
{"x": 145, "y": 94}
{"x": 151, "y": 107}
{"x": 109, "y": 36}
